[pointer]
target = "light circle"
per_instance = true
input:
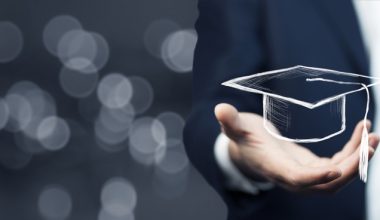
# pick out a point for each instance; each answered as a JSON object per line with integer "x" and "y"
{"x": 53, "y": 133}
{"x": 177, "y": 50}
{"x": 11, "y": 41}
{"x": 76, "y": 83}
{"x": 103, "y": 51}
{"x": 114, "y": 90}
{"x": 118, "y": 119}
{"x": 147, "y": 138}
{"x": 20, "y": 110}
{"x": 56, "y": 28}
{"x": 104, "y": 215}
{"x": 174, "y": 159}
{"x": 174, "y": 124}
{"x": 4, "y": 113}
{"x": 77, "y": 50}
{"x": 118, "y": 197}
{"x": 143, "y": 94}
{"x": 156, "y": 33}
{"x": 108, "y": 136}
{"x": 147, "y": 134}
{"x": 55, "y": 203}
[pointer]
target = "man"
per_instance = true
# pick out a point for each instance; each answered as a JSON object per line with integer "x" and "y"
{"x": 258, "y": 176}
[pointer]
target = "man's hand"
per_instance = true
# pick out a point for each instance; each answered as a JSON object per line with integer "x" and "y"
{"x": 261, "y": 156}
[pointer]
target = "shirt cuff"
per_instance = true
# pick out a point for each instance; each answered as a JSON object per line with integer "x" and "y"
{"x": 235, "y": 179}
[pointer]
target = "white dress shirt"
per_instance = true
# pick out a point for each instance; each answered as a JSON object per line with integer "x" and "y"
{"x": 368, "y": 13}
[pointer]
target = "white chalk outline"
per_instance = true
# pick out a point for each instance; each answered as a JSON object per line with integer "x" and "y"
{"x": 307, "y": 140}
{"x": 363, "y": 164}
{"x": 232, "y": 83}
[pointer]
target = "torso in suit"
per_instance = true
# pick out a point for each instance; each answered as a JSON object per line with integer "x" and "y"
{"x": 241, "y": 37}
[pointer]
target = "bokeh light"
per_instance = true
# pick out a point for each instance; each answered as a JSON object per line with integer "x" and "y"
{"x": 76, "y": 83}
{"x": 156, "y": 33}
{"x": 11, "y": 41}
{"x": 174, "y": 124}
{"x": 13, "y": 158}
{"x": 146, "y": 137}
{"x": 118, "y": 197}
{"x": 29, "y": 145}
{"x": 42, "y": 105}
{"x": 110, "y": 148}
{"x": 171, "y": 170}
{"x": 119, "y": 119}
{"x": 104, "y": 215}
{"x": 55, "y": 203}
{"x": 23, "y": 87}
{"x": 56, "y": 28}
{"x": 87, "y": 103}
{"x": 77, "y": 49}
{"x": 177, "y": 50}
{"x": 143, "y": 94}
{"x": 37, "y": 104}
{"x": 28, "y": 105}
{"x": 175, "y": 159}
{"x": 4, "y": 113}
{"x": 114, "y": 90}
{"x": 102, "y": 52}
{"x": 20, "y": 112}
{"x": 107, "y": 136}
{"x": 53, "y": 133}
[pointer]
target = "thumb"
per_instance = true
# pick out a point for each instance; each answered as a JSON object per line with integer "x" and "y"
{"x": 230, "y": 121}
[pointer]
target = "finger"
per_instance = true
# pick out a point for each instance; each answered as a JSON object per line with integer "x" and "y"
{"x": 228, "y": 117}
{"x": 300, "y": 177}
{"x": 353, "y": 143}
{"x": 374, "y": 140}
{"x": 349, "y": 172}
{"x": 349, "y": 167}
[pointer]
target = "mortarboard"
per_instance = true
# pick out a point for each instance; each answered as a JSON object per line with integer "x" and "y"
{"x": 334, "y": 86}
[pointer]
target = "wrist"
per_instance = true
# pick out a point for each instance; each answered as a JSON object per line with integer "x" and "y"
{"x": 237, "y": 159}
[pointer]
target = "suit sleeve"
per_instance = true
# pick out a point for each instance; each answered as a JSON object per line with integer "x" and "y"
{"x": 231, "y": 43}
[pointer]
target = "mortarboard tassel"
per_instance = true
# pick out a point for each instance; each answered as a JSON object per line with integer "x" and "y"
{"x": 363, "y": 155}
{"x": 363, "y": 162}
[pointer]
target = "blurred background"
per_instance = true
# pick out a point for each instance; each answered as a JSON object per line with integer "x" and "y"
{"x": 94, "y": 96}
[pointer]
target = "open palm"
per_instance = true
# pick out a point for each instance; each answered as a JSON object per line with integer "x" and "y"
{"x": 259, "y": 155}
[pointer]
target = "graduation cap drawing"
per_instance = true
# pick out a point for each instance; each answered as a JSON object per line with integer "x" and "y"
{"x": 334, "y": 86}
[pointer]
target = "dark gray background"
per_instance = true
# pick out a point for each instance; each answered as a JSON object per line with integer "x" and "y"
{"x": 80, "y": 167}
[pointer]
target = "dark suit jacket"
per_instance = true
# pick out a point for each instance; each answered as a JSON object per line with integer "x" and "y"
{"x": 240, "y": 37}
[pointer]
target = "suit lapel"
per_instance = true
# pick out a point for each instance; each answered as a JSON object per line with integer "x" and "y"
{"x": 341, "y": 17}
